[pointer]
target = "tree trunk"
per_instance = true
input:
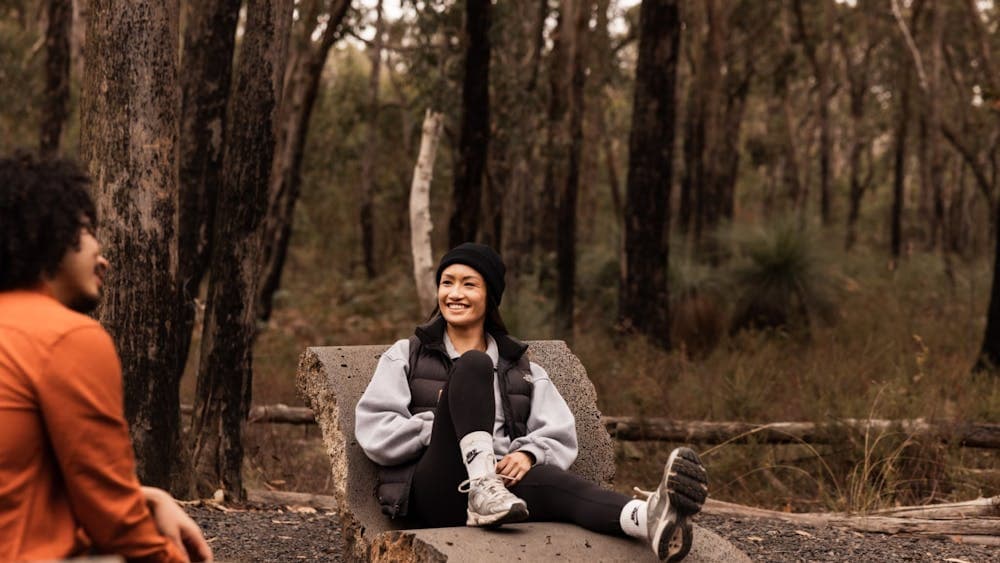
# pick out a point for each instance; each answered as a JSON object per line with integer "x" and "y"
{"x": 367, "y": 213}
{"x": 420, "y": 212}
{"x": 474, "y": 139}
{"x": 989, "y": 353}
{"x": 206, "y": 67}
{"x": 225, "y": 375}
{"x": 129, "y": 126}
{"x": 899, "y": 169}
{"x": 644, "y": 302}
{"x": 566, "y": 220}
{"x": 821, "y": 72}
{"x": 59, "y": 16}
{"x": 557, "y": 141}
{"x": 934, "y": 162}
{"x": 857, "y": 77}
{"x": 303, "y": 78}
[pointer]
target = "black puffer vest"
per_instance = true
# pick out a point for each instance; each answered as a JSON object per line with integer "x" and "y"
{"x": 428, "y": 370}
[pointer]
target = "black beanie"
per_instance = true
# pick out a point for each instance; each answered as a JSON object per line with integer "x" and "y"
{"x": 482, "y": 259}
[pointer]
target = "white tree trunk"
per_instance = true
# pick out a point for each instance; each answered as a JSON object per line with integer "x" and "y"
{"x": 420, "y": 213}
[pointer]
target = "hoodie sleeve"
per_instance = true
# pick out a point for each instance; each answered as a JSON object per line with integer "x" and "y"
{"x": 551, "y": 436}
{"x": 384, "y": 427}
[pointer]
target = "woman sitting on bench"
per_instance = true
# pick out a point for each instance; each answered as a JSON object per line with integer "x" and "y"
{"x": 444, "y": 404}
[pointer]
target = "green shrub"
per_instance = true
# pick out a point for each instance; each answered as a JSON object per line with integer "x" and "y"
{"x": 780, "y": 278}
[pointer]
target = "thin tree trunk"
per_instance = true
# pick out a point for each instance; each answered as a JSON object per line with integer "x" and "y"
{"x": 932, "y": 113}
{"x": 989, "y": 353}
{"x": 206, "y": 67}
{"x": 225, "y": 375}
{"x": 371, "y": 149}
{"x": 475, "y": 135}
{"x": 129, "y": 127}
{"x": 566, "y": 220}
{"x": 857, "y": 77}
{"x": 644, "y": 302}
{"x": 420, "y": 212}
{"x": 556, "y": 132}
{"x": 303, "y": 79}
{"x": 59, "y": 16}
{"x": 821, "y": 73}
{"x": 538, "y": 34}
{"x": 899, "y": 171}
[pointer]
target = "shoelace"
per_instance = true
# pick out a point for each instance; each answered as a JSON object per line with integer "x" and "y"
{"x": 466, "y": 486}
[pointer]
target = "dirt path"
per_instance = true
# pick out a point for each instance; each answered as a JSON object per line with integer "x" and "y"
{"x": 276, "y": 533}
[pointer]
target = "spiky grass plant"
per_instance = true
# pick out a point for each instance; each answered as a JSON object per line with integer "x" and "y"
{"x": 779, "y": 277}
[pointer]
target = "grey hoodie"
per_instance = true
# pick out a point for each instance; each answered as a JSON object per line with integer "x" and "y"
{"x": 390, "y": 435}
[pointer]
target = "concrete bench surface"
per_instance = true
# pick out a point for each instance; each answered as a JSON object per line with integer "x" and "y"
{"x": 332, "y": 379}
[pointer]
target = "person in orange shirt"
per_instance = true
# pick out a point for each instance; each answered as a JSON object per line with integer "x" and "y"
{"x": 67, "y": 470}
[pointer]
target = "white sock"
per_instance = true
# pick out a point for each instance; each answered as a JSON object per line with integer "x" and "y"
{"x": 633, "y": 519}
{"x": 477, "y": 454}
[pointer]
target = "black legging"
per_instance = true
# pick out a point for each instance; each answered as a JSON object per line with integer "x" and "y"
{"x": 553, "y": 495}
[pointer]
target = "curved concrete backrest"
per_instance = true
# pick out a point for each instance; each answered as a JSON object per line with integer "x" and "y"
{"x": 332, "y": 379}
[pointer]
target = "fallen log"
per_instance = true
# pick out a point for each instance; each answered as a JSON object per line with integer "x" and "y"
{"x": 965, "y": 522}
{"x": 969, "y": 434}
{"x": 630, "y": 428}
{"x": 272, "y": 414}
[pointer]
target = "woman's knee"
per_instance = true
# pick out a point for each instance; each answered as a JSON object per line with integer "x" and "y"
{"x": 474, "y": 362}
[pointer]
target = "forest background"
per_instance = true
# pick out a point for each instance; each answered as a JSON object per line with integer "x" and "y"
{"x": 731, "y": 210}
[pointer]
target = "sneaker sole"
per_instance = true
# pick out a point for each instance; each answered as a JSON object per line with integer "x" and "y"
{"x": 518, "y": 512}
{"x": 686, "y": 484}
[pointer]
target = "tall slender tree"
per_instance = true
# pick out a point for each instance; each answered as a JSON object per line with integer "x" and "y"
{"x": 206, "y": 68}
{"x": 225, "y": 375}
{"x": 368, "y": 183}
{"x": 130, "y": 116}
{"x": 579, "y": 17}
{"x": 474, "y": 137}
{"x": 644, "y": 302}
{"x": 303, "y": 73}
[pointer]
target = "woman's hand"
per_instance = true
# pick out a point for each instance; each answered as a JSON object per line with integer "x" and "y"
{"x": 514, "y": 466}
{"x": 176, "y": 525}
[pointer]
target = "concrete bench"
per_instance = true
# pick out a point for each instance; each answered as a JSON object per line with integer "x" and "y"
{"x": 332, "y": 379}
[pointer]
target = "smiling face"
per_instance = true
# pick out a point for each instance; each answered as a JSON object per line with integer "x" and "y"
{"x": 78, "y": 281}
{"x": 462, "y": 296}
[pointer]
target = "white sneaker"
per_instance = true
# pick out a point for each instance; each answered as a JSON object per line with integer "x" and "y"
{"x": 490, "y": 503}
{"x": 681, "y": 493}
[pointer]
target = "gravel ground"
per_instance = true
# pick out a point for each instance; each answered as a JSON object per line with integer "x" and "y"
{"x": 290, "y": 533}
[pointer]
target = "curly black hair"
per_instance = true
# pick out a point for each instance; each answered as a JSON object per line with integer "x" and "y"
{"x": 44, "y": 205}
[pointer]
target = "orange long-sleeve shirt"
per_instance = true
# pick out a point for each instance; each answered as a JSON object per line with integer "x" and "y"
{"x": 67, "y": 471}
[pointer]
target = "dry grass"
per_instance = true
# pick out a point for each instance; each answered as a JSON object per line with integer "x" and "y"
{"x": 900, "y": 346}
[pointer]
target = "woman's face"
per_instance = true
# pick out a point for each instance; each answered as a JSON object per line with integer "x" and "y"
{"x": 462, "y": 296}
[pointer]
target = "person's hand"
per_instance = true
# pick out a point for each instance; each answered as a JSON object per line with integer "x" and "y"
{"x": 176, "y": 525}
{"x": 513, "y": 467}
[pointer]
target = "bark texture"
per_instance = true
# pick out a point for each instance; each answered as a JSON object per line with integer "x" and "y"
{"x": 130, "y": 117}
{"x": 644, "y": 302}
{"x": 474, "y": 138}
{"x": 59, "y": 16}
{"x": 206, "y": 68}
{"x": 225, "y": 375}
